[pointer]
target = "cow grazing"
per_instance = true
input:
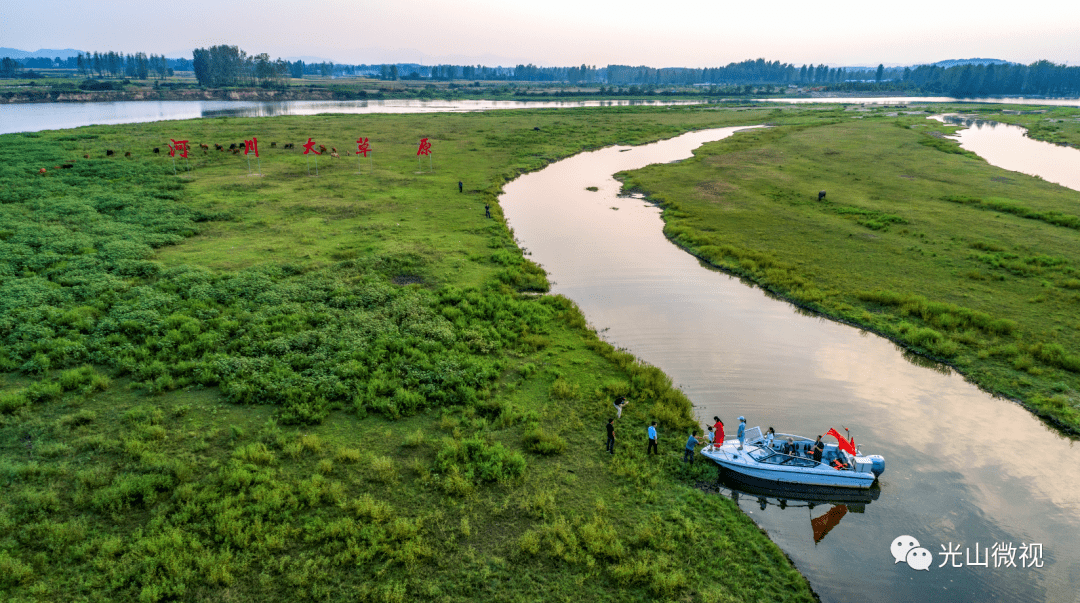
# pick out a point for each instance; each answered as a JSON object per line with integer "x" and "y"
{"x": 157, "y": 150}
{"x": 273, "y": 144}
{"x": 290, "y": 145}
{"x": 820, "y": 195}
{"x": 109, "y": 152}
{"x": 86, "y": 157}
{"x": 236, "y": 151}
{"x": 127, "y": 154}
{"x": 335, "y": 155}
{"x": 322, "y": 148}
{"x": 219, "y": 147}
{"x": 204, "y": 147}
{"x": 232, "y": 147}
{"x": 66, "y": 166}
{"x": 334, "y": 149}
{"x": 41, "y": 171}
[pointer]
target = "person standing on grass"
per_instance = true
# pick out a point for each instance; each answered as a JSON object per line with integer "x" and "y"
{"x": 652, "y": 440}
{"x": 718, "y": 428}
{"x": 709, "y": 436}
{"x": 460, "y": 187}
{"x": 742, "y": 431}
{"x": 611, "y": 436}
{"x": 688, "y": 454}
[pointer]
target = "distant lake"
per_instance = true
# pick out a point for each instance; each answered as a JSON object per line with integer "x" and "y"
{"x": 34, "y": 117}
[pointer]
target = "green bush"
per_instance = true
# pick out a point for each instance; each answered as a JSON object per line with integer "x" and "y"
{"x": 480, "y": 461}
{"x": 541, "y": 441}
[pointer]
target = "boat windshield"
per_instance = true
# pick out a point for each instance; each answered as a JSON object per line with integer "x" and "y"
{"x": 760, "y": 454}
{"x": 763, "y": 455}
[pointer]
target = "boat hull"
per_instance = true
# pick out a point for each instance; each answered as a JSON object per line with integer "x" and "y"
{"x": 738, "y": 462}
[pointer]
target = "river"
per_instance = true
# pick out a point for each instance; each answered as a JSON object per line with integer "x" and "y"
{"x": 965, "y": 471}
{"x": 34, "y": 117}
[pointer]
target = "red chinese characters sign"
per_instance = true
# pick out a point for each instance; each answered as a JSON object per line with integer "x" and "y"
{"x": 178, "y": 145}
{"x": 425, "y": 147}
{"x": 362, "y": 147}
{"x": 252, "y": 145}
{"x": 309, "y": 147}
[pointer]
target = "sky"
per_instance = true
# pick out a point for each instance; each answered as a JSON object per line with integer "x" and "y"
{"x": 665, "y": 33}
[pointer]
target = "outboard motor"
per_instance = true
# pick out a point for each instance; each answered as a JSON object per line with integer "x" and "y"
{"x": 877, "y": 464}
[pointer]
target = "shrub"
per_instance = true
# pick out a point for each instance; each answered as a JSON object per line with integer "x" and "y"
{"x": 541, "y": 441}
{"x": 347, "y": 455}
{"x": 382, "y": 469}
{"x": 12, "y": 401}
{"x": 479, "y": 461}
{"x": 44, "y": 391}
{"x": 563, "y": 390}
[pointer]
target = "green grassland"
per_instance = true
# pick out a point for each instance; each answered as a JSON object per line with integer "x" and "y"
{"x": 917, "y": 239}
{"x": 232, "y": 387}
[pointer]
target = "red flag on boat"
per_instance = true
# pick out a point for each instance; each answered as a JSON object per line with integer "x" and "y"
{"x": 845, "y": 445}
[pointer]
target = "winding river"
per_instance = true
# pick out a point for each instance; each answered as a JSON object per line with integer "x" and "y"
{"x": 954, "y": 479}
{"x": 966, "y": 472}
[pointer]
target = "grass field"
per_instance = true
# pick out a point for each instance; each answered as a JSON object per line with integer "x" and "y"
{"x": 232, "y": 387}
{"x": 918, "y": 240}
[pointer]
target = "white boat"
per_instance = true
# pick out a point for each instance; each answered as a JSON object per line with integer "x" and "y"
{"x": 838, "y": 468}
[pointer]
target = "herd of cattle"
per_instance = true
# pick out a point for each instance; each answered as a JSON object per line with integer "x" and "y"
{"x": 233, "y": 148}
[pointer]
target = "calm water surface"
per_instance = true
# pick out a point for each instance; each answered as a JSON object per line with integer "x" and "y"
{"x": 1008, "y": 147}
{"x": 962, "y": 468}
{"x": 34, "y": 117}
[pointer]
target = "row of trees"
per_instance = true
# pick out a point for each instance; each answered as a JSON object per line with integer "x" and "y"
{"x": 221, "y": 66}
{"x": 115, "y": 64}
{"x": 1041, "y": 78}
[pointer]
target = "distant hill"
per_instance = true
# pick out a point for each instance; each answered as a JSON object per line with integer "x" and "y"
{"x": 959, "y": 62}
{"x": 44, "y": 53}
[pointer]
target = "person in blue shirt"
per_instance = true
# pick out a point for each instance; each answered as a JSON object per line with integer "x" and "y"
{"x": 652, "y": 440}
{"x": 688, "y": 454}
{"x": 742, "y": 431}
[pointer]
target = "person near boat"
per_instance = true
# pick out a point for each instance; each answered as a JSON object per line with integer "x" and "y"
{"x": 718, "y": 432}
{"x": 709, "y": 435}
{"x": 819, "y": 448}
{"x": 769, "y": 435}
{"x": 742, "y": 431}
{"x": 688, "y": 454}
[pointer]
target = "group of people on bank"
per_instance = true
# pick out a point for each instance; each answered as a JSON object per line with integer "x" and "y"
{"x": 714, "y": 436}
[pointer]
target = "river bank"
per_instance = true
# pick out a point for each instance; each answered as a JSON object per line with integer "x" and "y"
{"x": 903, "y": 245}
{"x": 287, "y": 387}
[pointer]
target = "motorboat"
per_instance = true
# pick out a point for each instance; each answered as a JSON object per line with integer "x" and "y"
{"x": 842, "y": 465}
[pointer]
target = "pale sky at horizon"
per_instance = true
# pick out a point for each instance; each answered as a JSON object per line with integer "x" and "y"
{"x": 672, "y": 33}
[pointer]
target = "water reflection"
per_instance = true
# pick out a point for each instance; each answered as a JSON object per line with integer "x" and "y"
{"x": 33, "y": 117}
{"x": 963, "y": 467}
{"x": 1007, "y": 146}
